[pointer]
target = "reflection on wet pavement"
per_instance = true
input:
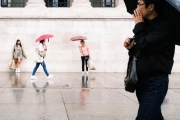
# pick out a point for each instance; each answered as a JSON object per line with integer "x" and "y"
{"x": 84, "y": 81}
{"x": 97, "y": 96}
{"x": 85, "y": 89}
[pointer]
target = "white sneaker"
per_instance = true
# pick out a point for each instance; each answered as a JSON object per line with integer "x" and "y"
{"x": 87, "y": 73}
{"x": 34, "y": 78}
{"x": 82, "y": 73}
{"x": 50, "y": 82}
{"x": 18, "y": 71}
{"x": 50, "y": 76}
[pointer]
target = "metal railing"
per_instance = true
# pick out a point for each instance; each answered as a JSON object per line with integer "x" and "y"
{"x": 20, "y": 3}
{"x": 57, "y": 4}
{"x": 103, "y": 4}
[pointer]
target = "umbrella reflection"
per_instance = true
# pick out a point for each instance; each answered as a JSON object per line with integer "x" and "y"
{"x": 84, "y": 91}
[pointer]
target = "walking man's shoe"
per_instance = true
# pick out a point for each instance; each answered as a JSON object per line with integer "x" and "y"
{"x": 50, "y": 76}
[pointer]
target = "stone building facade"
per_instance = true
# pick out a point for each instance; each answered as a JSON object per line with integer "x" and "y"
{"x": 105, "y": 27}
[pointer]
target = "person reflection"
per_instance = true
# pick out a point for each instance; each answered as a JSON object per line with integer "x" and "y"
{"x": 16, "y": 83}
{"x": 15, "y": 80}
{"x": 84, "y": 91}
{"x": 42, "y": 99}
{"x": 43, "y": 91}
{"x": 84, "y": 81}
{"x": 37, "y": 89}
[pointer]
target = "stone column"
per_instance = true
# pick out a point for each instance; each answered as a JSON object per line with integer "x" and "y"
{"x": 121, "y": 4}
{"x": 35, "y": 3}
{"x": 81, "y": 3}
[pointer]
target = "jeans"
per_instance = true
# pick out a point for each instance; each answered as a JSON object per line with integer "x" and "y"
{"x": 150, "y": 94}
{"x": 83, "y": 62}
{"x": 37, "y": 66}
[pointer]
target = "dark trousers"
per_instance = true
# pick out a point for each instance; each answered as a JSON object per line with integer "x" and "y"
{"x": 150, "y": 94}
{"x": 84, "y": 62}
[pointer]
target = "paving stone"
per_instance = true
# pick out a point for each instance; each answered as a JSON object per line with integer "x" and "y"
{"x": 98, "y": 96}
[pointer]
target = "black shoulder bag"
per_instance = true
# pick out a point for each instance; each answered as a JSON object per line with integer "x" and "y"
{"x": 131, "y": 78}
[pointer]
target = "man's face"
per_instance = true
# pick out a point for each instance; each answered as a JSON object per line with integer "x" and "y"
{"x": 142, "y": 7}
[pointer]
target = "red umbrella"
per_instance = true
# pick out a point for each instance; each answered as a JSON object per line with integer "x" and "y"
{"x": 76, "y": 38}
{"x": 43, "y": 37}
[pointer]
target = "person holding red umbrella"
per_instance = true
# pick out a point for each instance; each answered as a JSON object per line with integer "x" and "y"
{"x": 41, "y": 49}
{"x": 84, "y": 50}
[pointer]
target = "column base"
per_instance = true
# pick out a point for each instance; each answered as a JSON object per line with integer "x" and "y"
{"x": 35, "y": 4}
{"x": 79, "y": 5}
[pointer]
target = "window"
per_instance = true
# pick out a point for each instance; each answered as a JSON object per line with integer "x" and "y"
{"x": 103, "y": 3}
{"x": 57, "y": 3}
{"x": 108, "y": 3}
{"x": 13, "y": 3}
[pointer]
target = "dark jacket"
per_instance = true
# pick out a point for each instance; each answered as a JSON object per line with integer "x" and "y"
{"x": 155, "y": 40}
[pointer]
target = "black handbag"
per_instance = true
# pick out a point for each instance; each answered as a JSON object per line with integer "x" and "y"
{"x": 131, "y": 78}
{"x": 86, "y": 58}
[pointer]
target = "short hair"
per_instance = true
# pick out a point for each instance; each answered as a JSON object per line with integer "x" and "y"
{"x": 159, "y": 5}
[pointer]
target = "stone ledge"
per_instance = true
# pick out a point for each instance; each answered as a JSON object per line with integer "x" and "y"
{"x": 64, "y": 13}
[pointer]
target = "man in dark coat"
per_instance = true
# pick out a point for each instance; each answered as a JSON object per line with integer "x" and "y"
{"x": 154, "y": 37}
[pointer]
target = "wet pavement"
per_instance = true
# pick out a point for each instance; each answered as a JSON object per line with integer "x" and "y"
{"x": 98, "y": 96}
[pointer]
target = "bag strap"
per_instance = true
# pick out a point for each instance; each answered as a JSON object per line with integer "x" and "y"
{"x": 137, "y": 55}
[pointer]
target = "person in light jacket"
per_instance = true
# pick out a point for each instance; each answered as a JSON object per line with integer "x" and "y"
{"x": 18, "y": 54}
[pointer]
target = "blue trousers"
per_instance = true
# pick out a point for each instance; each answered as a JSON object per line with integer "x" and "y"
{"x": 150, "y": 94}
{"x": 43, "y": 64}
